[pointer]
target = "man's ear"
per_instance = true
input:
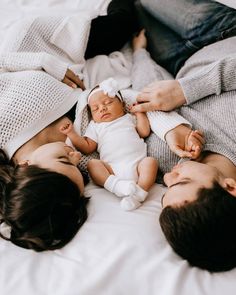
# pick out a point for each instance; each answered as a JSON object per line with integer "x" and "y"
{"x": 230, "y": 186}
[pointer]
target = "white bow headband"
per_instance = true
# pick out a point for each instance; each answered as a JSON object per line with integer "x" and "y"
{"x": 109, "y": 87}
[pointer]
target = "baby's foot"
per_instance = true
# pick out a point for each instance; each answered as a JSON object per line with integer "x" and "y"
{"x": 134, "y": 200}
{"x": 129, "y": 203}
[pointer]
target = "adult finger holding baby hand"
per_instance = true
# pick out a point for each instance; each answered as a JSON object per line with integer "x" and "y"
{"x": 165, "y": 95}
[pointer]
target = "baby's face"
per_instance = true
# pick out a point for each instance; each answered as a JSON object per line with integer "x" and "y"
{"x": 104, "y": 108}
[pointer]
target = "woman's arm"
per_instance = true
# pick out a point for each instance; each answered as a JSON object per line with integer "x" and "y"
{"x": 23, "y": 61}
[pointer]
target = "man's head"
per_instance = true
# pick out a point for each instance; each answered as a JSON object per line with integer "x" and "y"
{"x": 198, "y": 219}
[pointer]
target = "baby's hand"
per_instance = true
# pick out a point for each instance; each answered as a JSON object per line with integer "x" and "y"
{"x": 139, "y": 41}
{"x": 194, "y": 143}
{"x": 185, "y": 142}
{"x": 131, "y": 107}
{"x": 67, "y": 127}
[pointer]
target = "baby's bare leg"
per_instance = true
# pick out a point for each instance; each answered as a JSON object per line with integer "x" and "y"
{"x": 147, "y": 171}
{"x": 99, "y": 171}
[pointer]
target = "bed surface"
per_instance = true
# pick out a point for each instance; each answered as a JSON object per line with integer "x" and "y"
{"x": 115, "y": 252}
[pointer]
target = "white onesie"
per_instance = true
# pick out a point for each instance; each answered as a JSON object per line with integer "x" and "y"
{"x": 119, "y": 145}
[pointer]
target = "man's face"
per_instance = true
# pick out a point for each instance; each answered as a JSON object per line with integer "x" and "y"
{"x": 185, "y": 180}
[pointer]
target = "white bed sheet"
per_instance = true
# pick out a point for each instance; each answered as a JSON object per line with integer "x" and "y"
{"x": 115, "y": 252}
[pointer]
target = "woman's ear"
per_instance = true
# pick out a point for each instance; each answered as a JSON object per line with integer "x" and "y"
{"x": 230, "y": 186}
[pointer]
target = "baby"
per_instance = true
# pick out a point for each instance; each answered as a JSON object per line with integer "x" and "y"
{"x": 124, "y": 168}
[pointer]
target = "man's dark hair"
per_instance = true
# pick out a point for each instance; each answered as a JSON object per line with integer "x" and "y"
{"x": 204, "y": 231}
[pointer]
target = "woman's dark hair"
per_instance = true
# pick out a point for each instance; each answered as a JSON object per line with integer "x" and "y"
{"x": 43, "y": 209}
{"x": 203, "y": 231}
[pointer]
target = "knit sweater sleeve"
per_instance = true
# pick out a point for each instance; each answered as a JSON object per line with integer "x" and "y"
{"x": 145, "y": 71}
{"x": 22, "y": 61}
{"x": 212, "y": 79}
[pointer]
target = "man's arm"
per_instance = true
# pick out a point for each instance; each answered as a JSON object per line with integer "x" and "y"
{"x": 167, "y": 95}
{"x": 185, "y": 142}
{"x": 213, "y": 79}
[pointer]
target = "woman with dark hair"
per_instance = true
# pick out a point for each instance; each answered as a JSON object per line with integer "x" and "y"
{"x": 199, "y": 206}
{"x": 41, "y": 189}
{"x": 40, "y": 209}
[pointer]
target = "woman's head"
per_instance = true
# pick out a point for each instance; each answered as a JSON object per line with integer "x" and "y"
{"x": 58, "y": 157}
{"x": 198, "y": 218}
{"x": 44, "y": 209}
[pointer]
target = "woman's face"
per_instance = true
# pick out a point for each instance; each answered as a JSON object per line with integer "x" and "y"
{"x": 105, "y": 108}
{"x": 185, "y": 180}
{"x": 61, "y": 158}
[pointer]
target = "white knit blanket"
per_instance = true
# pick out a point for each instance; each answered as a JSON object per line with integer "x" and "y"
{"x": 47, "y": 44}
{"x": 53, "y": 44}
{"x": 30, "y": 98}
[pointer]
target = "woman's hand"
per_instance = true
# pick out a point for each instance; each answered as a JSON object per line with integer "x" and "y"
{"x": 185, "y": 142}
{"x": 73, "y": 80}
{"x": 164, "y": 95}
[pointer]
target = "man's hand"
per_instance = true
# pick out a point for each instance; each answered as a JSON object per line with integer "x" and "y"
{"x": 72, "y": 80}
{"x": 185, "y": 142}
{"x": 164, "y": 95}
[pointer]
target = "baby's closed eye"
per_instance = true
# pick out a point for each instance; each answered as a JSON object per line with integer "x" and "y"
{"x": 107, "y": 102}
{"x": 94, "y": 109}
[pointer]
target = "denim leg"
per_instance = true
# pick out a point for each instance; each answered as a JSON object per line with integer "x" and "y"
{"x": 192, "y": 18}
{"x": 166, "y": 47}
{"x": 193, "y": 23}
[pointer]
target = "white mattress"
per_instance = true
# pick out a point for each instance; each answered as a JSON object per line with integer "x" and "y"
{"x": 115, "y": 252}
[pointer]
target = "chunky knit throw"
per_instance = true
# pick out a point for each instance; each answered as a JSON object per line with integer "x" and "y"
{"x": 33, "y": 60}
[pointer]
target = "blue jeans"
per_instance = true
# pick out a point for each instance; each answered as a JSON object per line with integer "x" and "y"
{"x": 178, "y": 28}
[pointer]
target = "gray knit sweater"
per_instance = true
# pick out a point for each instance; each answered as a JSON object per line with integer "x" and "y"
{"x": 208, "y": 80}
